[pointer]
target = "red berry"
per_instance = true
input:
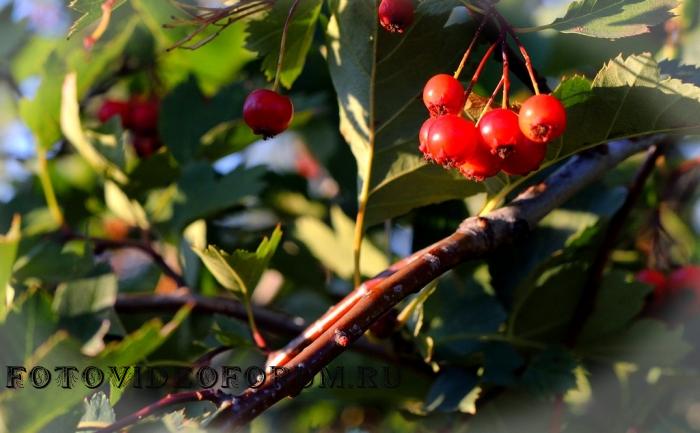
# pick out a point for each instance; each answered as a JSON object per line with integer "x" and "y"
{"x": 687, "y": 277}
{"x": 443, "y": 94}
{"x": 143, "y": 115}
{"x": 267, "y": 113}
{"x": 526, "y": 157}
{"x": 500, "y": 130}
{"x": 451, "y": 140}
{"x": 146, "y": 145}
{"x": 542, "y": 118}
{"x": 396, "y": 15}
{"x": 424, "y": 135}
{"x": 481, "y": 163}
{"x": 111, "y": 108}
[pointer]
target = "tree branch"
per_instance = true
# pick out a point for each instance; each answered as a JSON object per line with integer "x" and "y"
{"x": 474, "y": 238}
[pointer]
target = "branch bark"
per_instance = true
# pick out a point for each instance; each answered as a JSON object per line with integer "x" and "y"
{"x": 474, "y": 238}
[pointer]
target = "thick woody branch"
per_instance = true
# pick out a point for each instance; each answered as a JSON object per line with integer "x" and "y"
{"x": 474, "y": 238}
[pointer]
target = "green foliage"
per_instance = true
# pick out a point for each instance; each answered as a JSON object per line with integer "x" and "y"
{"x": 612, "y": 19}
{"x": 265, "y": 34}
{"x": 90, "y": 10}
{"x": 8, "y": 253}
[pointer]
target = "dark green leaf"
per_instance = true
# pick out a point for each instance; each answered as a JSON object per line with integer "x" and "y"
{"x": 550, "y": 372}
{"x": 453, "y": 390}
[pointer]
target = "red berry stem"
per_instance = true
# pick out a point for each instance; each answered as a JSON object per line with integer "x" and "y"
{"x": 283, "y": 45}
{"x": 506, "y": 75}
{"x": 505, "y": 26}
{"x": 489, "y": 103}
{"x": 471, "y": 46}
{"x": 480, "y": 69}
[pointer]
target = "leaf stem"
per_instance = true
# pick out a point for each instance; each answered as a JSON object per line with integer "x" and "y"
{"x": 47, "y": 186}
{"x": 283, "y": 45}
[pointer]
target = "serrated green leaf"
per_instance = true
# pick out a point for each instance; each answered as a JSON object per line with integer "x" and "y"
{"x": 550, "y": 372}
{"x": 186, "y": 115}
{"x": 620, "y": 299}
{"x": 240, "y": 271}
{"x": 332, "y": 245}
{"x": 8, "y": 253}
{"x": 378, "y": 79}
{"x": 453, "y": 390}
{"x": 125, "y": 208}
{"x": 85, "y": 296}
{"x": 265, "y": 34}
{"x": 91, "y": 11}
{"x": 98, "y": 413}
{"x": 612, "y": 19}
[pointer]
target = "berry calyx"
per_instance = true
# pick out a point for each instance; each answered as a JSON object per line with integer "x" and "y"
{"x": 443, "y": 94}
{"x": 143, "y": 115}
{"x": 481, "y": 163}
{"x": 424, "y": 135}
{"x": 451, "y": 140}
{"x": 111, "y": 108}
{"x": 542, "y": 118}
{"x": 396, "y": 15}
{"x": 267, "y": 112}
{"x": 526, "y": 158}
{"x": 500, "y": 131}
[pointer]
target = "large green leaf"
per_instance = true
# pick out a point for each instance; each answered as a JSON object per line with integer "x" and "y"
{"x": 265, "y": 34}
{"x": 379, "y": 79}
{"x": 91, "y": 11}
{"x": 240, "y": 271}
{"x": 8, "y": 252}
{"x": 612, "y": 19}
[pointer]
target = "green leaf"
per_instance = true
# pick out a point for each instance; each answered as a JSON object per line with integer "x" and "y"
{"x": 378, "y": 79}
{"x": 125, "y": 208}
{"x": 333, "y": 246}
{"x": 647, "y": 342}
{"x": 453, "y": 390}
{"x": 8, "y": 253}
{"x": 612, "y": 19}
{"x": 85, "y": 296}
{"x": 72, "y": 129}
{"x": 550, "y": 372}
{"x": 98, "y": 412}
{"x": 240, "y": 271}
{"x": 186, "y": 115}
{"x": 91, "y": 11}
{"x": 265, "y": 34}
{"x": 200, "y": 193}
{"x": 620, "y": 299}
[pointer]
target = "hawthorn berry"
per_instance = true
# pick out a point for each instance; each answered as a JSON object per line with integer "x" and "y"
{"x": 500, "y": 131}
{"x": 111, "y": 108}
{"x": 267, "y": 112}
{"x": 142, "y": 115}
{"x": 396, "y": 15}
{"x": 145, "y": 145}
{"x": 451, "y": 140}
{"x": 687, "y": 277}
{"x": 542, "y": 118}
{"x": 443, "y": 94}
{"x": 526, "y": 157}
{"x": 424, "y": 135}
{"x": 481, "y": 163}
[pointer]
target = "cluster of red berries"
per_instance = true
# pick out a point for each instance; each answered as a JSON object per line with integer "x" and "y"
{"x": 682, "y": 285}
{"x": 140, "y": 116}
{"x": 502, "y": 139}
{"x": 267, "y": 112}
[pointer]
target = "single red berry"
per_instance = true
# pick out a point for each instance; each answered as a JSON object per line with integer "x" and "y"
{"x": 481, "y": 163}
{"x": 143, "y": 115}
{"x": 500, "y": 130}
{"x": 146, "y": 145}
{"x": 687, "y": 277}
{"x": 443, "y": 94}
{"x": 527, "y": 156}
{"x": 451, "y": 140}
{"x": 653, "y": 278}
{"x": 267, "y": 113}
{"x": 396, "y": 15}
{"x": 111, "y": 108}
{"x": 542, "y": 118}
{"x": 424, "y": 135}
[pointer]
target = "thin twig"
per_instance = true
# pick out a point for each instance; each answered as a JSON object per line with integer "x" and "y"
{"x": 283, "y": 45}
